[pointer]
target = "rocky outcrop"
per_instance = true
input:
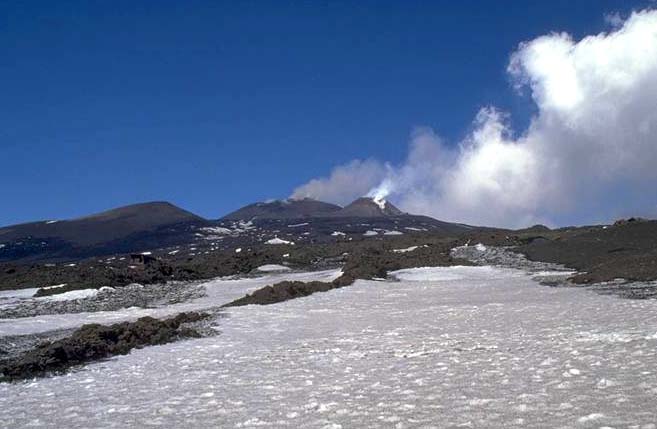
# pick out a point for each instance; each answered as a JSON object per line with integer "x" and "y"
{"x": 282, "y": 291}
{"x": 93, "y": 342}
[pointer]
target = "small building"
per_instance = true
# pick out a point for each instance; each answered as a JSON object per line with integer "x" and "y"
{"x": 142, "y": 258}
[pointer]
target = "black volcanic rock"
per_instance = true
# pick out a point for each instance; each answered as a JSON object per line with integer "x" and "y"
{"x": 94, "y": 342}
{"x": 369, "y": 208}
{"x": 600, "y": 253}
{"x": 282, "y": 291}
{"x": 284, "y": 209}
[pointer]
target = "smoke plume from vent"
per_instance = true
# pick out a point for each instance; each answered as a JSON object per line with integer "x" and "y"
{"x": 589, "y": 153}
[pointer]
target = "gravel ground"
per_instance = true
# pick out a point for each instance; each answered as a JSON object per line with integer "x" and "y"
{"x": 502, "y": 257}
{"x": 108, "y": 299}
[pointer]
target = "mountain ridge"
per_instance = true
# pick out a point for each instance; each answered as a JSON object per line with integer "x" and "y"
{"x": 283, "y": 209}
{"x": 125, "y": 228}
{"x": 157, "y": 225}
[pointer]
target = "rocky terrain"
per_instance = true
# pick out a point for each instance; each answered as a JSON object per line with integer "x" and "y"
{"x": 366, "y": 240}
{"x": 105, "y": 299}
{"x": 166, "y": 229}
{"x": 93, "y": 342}
{"x": 282, "y": 291}
{"x": 603, "y": 253}
{"x": 311, "y": 239}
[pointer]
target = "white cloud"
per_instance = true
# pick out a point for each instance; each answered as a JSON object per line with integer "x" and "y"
{"x": 345, "y": 183}
{"x": 614, "y": 19}
{"x": 589, "y": 153}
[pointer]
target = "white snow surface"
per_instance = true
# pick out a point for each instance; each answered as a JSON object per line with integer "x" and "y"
{"x": 277, "y": 240}
{"x": 14, "y": 296}
{"x": 408, "y": 249}
{"x": 18, "y": 293}
{"x": 54, "y": 286}
{"x": 218, "y": 292}
{"x": 268, "y": 268}
{"x": 442, "y": 274}
{"x": 218, "y": 230}
{"x": 370, "y": 233}
{"x": 474, "y": 347}
{"x": 70, "y": 295}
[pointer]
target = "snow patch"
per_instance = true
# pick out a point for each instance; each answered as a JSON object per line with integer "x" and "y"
{"x": 218, "y": 230}
{"x": 591, "y": 417}
{"x": 408, "y": 249}
{"x": 54, "y": 286}
{"x": 277, "y": 240}
{"x": 370, "y": 233}
{"x": 10, "y": 296}
{"x": 433, "y": 274}
{"x": 272, "y": 268}
{"x": 71, "y": 295}
{"x": 245, "y": 226}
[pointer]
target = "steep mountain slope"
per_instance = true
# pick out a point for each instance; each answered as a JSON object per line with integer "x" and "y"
{"x": 284, "y": 209}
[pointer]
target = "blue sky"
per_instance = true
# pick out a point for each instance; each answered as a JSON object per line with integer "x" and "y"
{"x": 212, "y": 105}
